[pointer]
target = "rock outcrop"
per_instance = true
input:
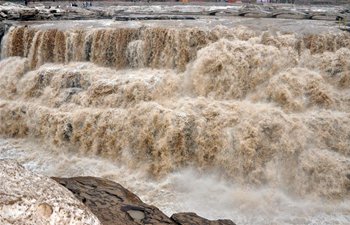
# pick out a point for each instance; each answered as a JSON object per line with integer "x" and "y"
{"x": 11, "y": 11}
{"x": 28, "y": 198}
{"x": 113, "y": 204}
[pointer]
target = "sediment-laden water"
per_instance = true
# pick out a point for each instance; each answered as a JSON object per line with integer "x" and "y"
{"x": 227, "y": 122}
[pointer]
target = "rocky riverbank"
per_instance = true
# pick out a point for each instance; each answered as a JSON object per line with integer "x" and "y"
{"x": 64, "y": 11}
{"x": 26, "y": 197}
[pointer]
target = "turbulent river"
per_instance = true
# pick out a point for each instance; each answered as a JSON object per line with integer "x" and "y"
{"x": 226, "y": 121}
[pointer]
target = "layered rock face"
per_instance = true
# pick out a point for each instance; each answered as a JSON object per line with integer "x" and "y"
{"x": 106, "y": 10}
{"x": 28, "y": 198}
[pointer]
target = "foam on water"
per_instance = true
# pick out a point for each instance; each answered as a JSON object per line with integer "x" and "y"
{"x": 185, "y": 190}
{"x": 227, "y": 122}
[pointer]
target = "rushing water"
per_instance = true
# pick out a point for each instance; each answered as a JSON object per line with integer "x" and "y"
{"x": 227, "y": 122}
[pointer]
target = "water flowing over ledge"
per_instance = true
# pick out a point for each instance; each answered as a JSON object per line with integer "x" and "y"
{"x": 154, "y": 47}
{"x": 264, "y": 109}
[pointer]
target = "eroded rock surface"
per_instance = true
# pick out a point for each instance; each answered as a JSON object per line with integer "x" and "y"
{"x": 28, "y": 198}
{"x": 127, "y": 11}
{"x": 113, "y": 204}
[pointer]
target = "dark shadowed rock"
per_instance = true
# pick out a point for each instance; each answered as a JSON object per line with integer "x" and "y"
{"x": 113, "y": 204}
{"x": 194, "y": 219}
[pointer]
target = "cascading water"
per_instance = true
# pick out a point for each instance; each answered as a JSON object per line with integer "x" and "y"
{"x": 257, "y": 121}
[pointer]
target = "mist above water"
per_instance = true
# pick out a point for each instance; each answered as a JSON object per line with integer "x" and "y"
{"x": 207, "y": 194}
{"x": 225, "y": 122}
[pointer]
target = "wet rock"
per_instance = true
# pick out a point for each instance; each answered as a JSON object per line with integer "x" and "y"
{"x": 112, "y": 203}
{"x": 194, "y": 219}
{"x": 28, "y": 198}
{"x": 11, "y": 11}
{"x": 3, "y": 16}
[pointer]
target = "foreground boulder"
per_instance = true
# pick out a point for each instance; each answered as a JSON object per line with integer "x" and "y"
{"x": 28, "y": 198}
{"x": 113, "y": 204}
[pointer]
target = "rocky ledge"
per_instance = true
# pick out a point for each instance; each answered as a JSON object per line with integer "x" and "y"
{"x": 113, "y": 204}
{"x": 29, "y": 198}
{"x": 11, "y": 11}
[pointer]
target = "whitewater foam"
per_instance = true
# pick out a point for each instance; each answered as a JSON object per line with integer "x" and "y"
{"x": 260, "y": 119}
